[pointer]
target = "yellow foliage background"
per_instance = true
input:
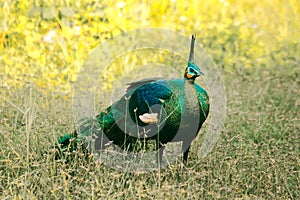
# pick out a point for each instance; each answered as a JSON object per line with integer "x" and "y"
{"x": 46, "y": 42}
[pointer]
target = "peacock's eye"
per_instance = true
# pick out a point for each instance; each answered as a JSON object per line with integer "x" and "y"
{"x": 192, "y": 70}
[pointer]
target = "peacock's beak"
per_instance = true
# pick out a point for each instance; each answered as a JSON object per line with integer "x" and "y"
{"x": 200, "y": 73}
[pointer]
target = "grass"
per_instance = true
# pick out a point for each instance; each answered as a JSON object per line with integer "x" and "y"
{"x": 256, "y": 46}
{"x": 257, "y": 155}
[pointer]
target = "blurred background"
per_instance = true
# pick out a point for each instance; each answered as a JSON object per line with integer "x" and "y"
{"x": 46, "y": 42}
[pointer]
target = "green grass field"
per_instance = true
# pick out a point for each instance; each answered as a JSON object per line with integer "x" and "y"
{"x": 256, "y": 47}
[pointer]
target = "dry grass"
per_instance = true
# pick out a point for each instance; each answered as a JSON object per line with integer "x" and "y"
{"x": 256, "y": 157}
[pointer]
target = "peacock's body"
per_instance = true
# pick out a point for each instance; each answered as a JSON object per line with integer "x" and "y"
{"x": 162, "y": 110}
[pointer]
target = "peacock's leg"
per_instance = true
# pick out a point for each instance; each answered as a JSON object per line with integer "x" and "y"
{"x": 185, "y": 149}
{"x": 159, "y": 153}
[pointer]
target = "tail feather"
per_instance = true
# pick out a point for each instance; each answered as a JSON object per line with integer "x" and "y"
{"x": 69, "y": 143}
{"x": 66, "y": 143}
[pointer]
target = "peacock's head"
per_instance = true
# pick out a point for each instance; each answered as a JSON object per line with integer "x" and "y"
{"x": 192, "y": 71}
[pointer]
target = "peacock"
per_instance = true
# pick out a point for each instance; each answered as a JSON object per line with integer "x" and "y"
{"x": 164, "y": 110}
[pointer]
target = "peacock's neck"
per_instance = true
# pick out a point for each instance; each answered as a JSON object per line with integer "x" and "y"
{"x": 191, "y": 97}
{"x": 191, "y": 112}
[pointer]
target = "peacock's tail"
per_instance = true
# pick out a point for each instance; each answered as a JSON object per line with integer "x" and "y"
{"x": 66, "y": 144}
{"x": 69, "y": 143}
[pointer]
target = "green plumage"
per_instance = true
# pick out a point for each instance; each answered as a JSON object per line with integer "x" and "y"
{"x": 177, "y": 110}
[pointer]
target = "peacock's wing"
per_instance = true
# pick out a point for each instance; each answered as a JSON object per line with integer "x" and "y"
{"x": 139, "y": 110}
{"x": 136, "y": 84}
{"x": 148, "y": 100}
